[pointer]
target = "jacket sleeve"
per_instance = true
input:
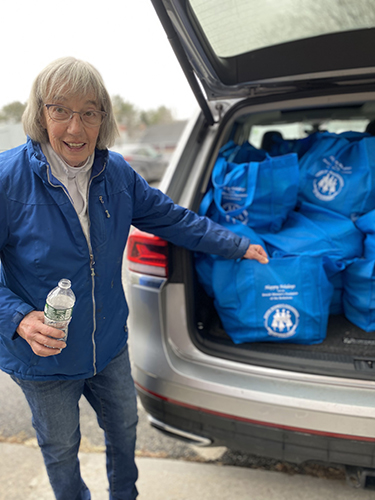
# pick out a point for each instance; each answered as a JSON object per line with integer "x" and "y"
{"x": 155, "y": 212}
{"x": 12, "y": 308}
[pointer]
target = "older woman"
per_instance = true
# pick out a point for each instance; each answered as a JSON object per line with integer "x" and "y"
{"x": 66, "y": 206}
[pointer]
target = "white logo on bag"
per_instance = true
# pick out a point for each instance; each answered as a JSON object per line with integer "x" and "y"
{"x": 234, "y": 193}
{"x": 242, "y": 217}
{"x": 281, "y": 320}
{"x": 328, "y": 182}
{"x": 231, "y": 200}
{"x": 327, "y": 185}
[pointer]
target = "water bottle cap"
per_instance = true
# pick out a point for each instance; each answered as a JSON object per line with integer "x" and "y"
{"x": 65, "y": 283}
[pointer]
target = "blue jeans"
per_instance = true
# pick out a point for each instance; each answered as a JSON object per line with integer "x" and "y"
{"x": 54, "y": 406}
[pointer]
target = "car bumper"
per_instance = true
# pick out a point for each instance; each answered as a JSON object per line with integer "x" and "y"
{"x": 200, "y": 427}
{"x": 270, "y": 412}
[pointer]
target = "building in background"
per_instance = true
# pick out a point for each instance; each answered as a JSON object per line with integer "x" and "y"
{"x": 164, "y": 137}
{"x": 11, "y": 135}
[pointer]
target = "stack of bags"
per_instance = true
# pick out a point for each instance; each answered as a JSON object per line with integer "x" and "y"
{"x": 311, "y": 204}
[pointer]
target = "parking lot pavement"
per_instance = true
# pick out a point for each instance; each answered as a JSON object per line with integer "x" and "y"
{"x": 22, "y": 475}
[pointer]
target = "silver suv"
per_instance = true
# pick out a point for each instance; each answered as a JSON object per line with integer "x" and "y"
{"x": 293, "y": 68}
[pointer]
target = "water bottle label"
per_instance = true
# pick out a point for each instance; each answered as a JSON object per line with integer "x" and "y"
{"x": 58, "y": 314}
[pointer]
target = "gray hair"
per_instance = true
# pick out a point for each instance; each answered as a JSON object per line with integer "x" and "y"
{"x": 69, "y": 77}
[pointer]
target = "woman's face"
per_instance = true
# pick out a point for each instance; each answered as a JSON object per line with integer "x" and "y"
{"x": 73, "y": 141}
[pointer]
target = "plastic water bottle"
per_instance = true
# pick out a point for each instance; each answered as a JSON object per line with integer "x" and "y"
{"x": 59, "y": 307}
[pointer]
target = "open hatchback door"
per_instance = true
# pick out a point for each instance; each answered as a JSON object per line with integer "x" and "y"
{"x": 248, "y": 48}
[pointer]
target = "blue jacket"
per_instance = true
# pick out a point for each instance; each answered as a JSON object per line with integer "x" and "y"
{"x": 41, "y": 241}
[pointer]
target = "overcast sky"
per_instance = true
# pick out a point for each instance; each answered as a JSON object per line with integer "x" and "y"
{"x": 123, "y": 39}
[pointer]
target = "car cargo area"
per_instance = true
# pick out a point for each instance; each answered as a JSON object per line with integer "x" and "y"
{"x": 347, "y": 350}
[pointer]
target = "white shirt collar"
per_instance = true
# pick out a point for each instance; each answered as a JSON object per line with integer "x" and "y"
{"x": 58, "y": 164}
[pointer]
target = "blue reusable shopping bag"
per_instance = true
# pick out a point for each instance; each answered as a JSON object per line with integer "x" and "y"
{"x": 317, "y": 231}
{"x": 228, "y": 150}
{"x": 343, "y": 233}
{"x": 314, "y": 230}
{"x": 259, "y": 194}
{"x": 282, "y": 146}
{"x": 359, "y": 294}
{"x": 366, "y": 224}
{"x": 286, "y": 300}
{"x": 335, "y": 273}
{"x": 243, "y": 153}
{"x": 204, "y": 263}
{"x": 338, "y": 173}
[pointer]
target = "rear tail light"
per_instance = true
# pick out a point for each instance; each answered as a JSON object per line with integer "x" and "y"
{"x": 147, "y": 254}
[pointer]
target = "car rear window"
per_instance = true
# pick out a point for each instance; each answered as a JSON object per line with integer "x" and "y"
{"x": 239, "y": 26}
{"x": 301, "y": 130}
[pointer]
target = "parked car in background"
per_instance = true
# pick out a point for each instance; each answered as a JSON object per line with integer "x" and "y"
{"x": 144, "y": 159}
{"x": 293, "y": 71}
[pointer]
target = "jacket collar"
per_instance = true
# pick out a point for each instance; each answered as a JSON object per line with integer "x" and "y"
{"x": 39, "y": 162}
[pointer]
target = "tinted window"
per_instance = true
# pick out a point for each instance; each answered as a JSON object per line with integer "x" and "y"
{"x": 238, "y": 26}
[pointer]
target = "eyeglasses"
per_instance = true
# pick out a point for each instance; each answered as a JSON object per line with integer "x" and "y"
{"x": 61, "y": 114}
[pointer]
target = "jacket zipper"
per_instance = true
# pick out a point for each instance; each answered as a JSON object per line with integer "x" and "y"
{"x": 92, "y": 268}
{"x": 92, "y": 261}
{"x": 58, "y": 186}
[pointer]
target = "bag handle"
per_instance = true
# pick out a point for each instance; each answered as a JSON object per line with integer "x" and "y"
{"x": 220, "y": 179}
{"x": 218, "y": 172}
{"x": 206, "y": 202}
